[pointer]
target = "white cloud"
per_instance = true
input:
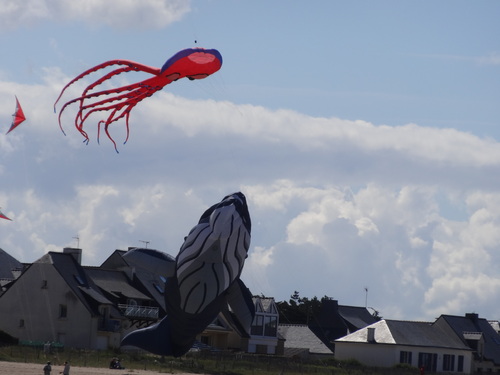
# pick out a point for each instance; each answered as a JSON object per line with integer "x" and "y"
{"x": 323, "y": 135}
{"x": 491, "y": 59}
{"x": 120, "y": 14}
{"x": 440, "y": 272}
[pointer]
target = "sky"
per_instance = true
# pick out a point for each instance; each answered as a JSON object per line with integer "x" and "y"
{"x": 365, "y": 136}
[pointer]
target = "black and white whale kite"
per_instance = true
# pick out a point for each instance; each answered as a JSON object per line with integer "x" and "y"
{"x": 203, "y": 280}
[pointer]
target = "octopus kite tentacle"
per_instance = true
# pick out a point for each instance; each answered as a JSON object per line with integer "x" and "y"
{"x": 193, "y": 63}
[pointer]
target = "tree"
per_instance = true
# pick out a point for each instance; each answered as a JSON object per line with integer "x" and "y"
{"x": 299, "y": 310}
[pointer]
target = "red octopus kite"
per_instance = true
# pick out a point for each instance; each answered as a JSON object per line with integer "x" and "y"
{"x": 193, "y": 63}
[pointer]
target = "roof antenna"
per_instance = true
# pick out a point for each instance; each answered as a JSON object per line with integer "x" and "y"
{"x": 145, "y": 243}
{"x": 366, "y": 297}
{"x": 77, "y": 238}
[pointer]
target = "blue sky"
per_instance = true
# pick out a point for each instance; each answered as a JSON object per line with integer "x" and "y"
{"x": 364, "y": 134}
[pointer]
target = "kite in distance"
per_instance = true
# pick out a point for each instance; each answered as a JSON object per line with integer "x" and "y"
{"x": 18, "y": 117}
{"x": 193, "y": 63}
{"x": 2, "y": 216}
{"x": 202, "y": 281}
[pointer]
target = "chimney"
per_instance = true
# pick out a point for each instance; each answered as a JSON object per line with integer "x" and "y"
{"x": 370, "y": 334}
{"x": 472, "y": 316}
{"x": 76, "y": 253}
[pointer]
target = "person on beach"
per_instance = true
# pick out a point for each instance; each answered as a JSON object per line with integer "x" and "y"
{"x": 65, "y": 371}
{"x": 47, "y": 369}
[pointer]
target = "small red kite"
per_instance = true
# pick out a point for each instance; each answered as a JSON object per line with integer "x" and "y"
{"x": 2, "y": 216}
{"x": 18, "y": 117}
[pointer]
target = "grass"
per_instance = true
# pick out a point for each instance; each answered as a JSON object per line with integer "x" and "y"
{"x": 218, "y": 363}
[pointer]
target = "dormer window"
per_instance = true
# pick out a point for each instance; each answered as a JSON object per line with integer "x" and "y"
{"x": 159, "y": 288}
{"x": 79, "y": 280}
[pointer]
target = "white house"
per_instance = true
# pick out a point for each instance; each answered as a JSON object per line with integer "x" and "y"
{"x": 420, "y": 344}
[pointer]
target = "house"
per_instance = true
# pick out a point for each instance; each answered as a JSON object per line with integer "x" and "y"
{"x": 335, "y": 321}
{"x": 391, "y": 342}
{"x": 479, "y": 335}
{"x": 300, "y": 341}
{"x": 264, "y": 330}
{"x": 56, "y": 299}
{"x": 224, "y": 333}
{"x": 147, "y": 282}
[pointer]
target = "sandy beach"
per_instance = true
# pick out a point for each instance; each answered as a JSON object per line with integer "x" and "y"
{"x": 15, "y": 368}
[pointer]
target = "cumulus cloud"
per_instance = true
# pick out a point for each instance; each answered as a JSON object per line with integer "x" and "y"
{"x": 120, "y": 14}
{"x": 447, "y": 271}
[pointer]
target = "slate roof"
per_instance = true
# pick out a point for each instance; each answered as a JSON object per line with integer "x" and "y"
{"x": 356, "y": 317}
{"x": 115, "y": 283}
{"x": 299, "y": 336}
{"x": 7, "y": 264}
{"x": 407, "y": 333}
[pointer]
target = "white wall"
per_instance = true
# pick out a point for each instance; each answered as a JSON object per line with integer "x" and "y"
{"x": 387, "y": 355}
{"x": 381, "y": 355}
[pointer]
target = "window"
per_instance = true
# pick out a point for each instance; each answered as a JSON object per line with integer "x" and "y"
{"x": 270, "y": 327}
{"x": 205, "y": 340}
{"x": 405, "y": 357}
{"x": 63, "y": 311}
{"x": 79, "y": 280}
{"x": 21, "y": 323}
{"x": 265, "y": 322}
{"x": 257, "y": 325}
{"x": 428, "y": 361}
{"x": 44, "y": 284}
{"x": 460, "y": 366}
{"x": 448, "y": 362}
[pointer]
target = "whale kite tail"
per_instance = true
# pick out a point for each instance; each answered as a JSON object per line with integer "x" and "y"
{"x": 154, "y": 339}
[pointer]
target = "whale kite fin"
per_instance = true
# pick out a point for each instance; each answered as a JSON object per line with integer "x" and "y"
{"x": 154, "y": 339}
